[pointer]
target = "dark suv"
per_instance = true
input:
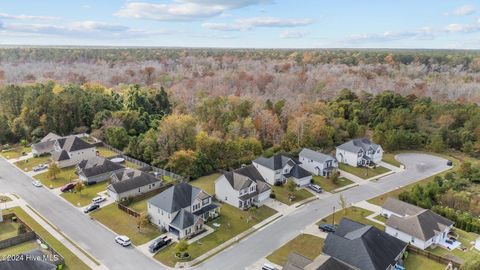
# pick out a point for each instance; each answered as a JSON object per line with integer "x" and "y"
{"x": 327, "y": 227}
{"x": 158, "y": 244}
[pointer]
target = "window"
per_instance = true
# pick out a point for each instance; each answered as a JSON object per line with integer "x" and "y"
{"x": 413, "y": 239}
{"x": 226, "y": 198}
{"x": 205, "y": 201}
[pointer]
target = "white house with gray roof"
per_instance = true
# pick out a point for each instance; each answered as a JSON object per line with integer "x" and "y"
{"x": 417, "y": 226}
{"x": 279, "y": 168}
{"x": 317, "y": 163}
{"x": 97, "y": 169}
{"x": 45, "y": 145}
{"x": 69, "y": 151}
{"x": 242, "y": 188}
{"x": 131, "y": 183}
{"x": 359, "y": 152}
{"x": 182, "y": 210}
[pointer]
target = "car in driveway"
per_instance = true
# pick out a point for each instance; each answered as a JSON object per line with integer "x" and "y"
{"x": 159, "y": 244}
{"x": 67, "y": 187}
{"x": 315, "y": 188}
{"x": 91, "y": 207}
{"x": 449, "y": 163}
{"x": 37, "y": 183}
{"x": 327, "y": 227}
{"x": 98, "y": 199}
{"x": 40, "y": 167}
{"x": 123, "y": 240}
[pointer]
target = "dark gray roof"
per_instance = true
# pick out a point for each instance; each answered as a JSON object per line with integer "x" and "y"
{"x": 34, "y": 264}
{"x": 184, "y": 219}
{"x": 363, "y": 246}
{"x": 177, "y": 197}
{"x": 298, "y": 172}
{"x": 356, "y": 145}
{"x": 315, "y": 156}
{"x": 401, "y": 208}
{"x": 131, "y": 179}
{"x": 296, "y": 262}
{"x": 322, "y": 262}
{"x": 50, "y": 137}
{"x": 60, "y": 155}
{"x": 97, "y": 166}
{"x": 334, "y": 264}
{"x": 238, "y": 181}
{"x": 73, "y": 143}
{"x": 423, "y": 225}
{"x": 275, "y": 162}
{"x": 243, "y": 177}
{"x": 205, "y": 209}
{"x": 46, "y": 146}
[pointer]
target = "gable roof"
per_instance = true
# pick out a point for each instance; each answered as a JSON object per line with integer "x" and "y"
{"x": 50, "y": 137}
{"x": 314, "y": 155}
{"x": 298, "y": 172}
{"x": 243, "y": 177}
{"x": 321, "y": 262}
{"x": 177, "y": 197}
{"x": 73, "y": 143}
{"x": 183, "y": 219}
{"x": 38, "y": 261}
{"x": 276, "y": 162}
{"x": 400, "y": 207}
{"x": 296, "y": 261}
{"x": 356, "y": 145}
{"x": 46, "y": 146}
{"x": 423, "y": 225}
{"x": 60, "y": 155}
{"x": 363, "y": 246}
{"x": 131, "y": 179}
{"x": 96, "y": 166}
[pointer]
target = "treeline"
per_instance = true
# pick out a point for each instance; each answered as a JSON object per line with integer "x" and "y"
{"x": 223, "y": 132}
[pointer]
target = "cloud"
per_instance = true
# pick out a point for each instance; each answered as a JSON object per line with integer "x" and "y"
{"x": 183, "y": 10}
{"x": 463, "y": 28}
{"x": 25, "y": 17}
{"x": 293, "y": 34}
{"x": 462, "y": 11}
{"x": 422, "y": 33}
{"x": 249, "y": 23}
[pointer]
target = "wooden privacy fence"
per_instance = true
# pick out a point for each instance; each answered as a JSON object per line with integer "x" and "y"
{"x": 437, "y": 258}
{"x": 134, "y": 213}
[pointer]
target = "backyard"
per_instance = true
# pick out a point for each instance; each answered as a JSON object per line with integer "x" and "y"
{"x": 20, "y": 248}
{"x": 354, "y": 213}
{"x": 207, "y": 183}
{"x": 85, "y": 197}
{"x": 307, "y": 245}
{"x": 415, "y": 261}
{"x": 282, "y": 194}
{"x": 65, "y": 176}
{"x": 232, "y": 222}
{"x": 105, "y": 152}
{"x": 15, "y": 152}
{"x": 122, "y": 223}
{"x": 466, "y": 239}
{"x": 328, "y": 185}
{"x": 8, "y": 229}
{"x": 28, "y": 164}
{"x": 363, "y": 172}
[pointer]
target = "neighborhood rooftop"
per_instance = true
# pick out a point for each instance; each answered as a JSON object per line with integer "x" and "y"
{"x": 131, "y": 179}
{"x": 177, "y": 197}
{"x": 400, "y": 207}
{"x": 356, "y": 144}
{"x": 73, "y": 143}
{"x": 97, "y": 165}
{"x": 241, "y": 178}
{"x": 314, "y": 155}
{"x": 275, "y": 162}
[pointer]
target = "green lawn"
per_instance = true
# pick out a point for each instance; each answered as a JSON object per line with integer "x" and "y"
{"x": 140, "y": 206}
{"x": 390, "y": 159}
{"x": 131, "y": 165}
{"x": 363, "y": 172}
{"x": 206, "y": 183}
{"x": 105, "y": 152}
{"x": 28, "y": 164}
{"x": 281, "y": 193}
{"x": 354, "y": 213}
{"x": 380, "y": 218}
{"x": 328, "y": 185}
{"x": 233, "y": 222}
{"x": 85, "y": 197}
{"x": 15, "y": 152}
{"x": 466, "y": 239}
{"x": 20, "y": 248}
{"x": 72, "y": 262}
{"x": 8, "y": 229}
{"x": 5, "y": 199}
{"x": 122, "y": 223}
{"x": 415, "y": 261}
{"x": 65, "y": 176}
{"x": 307, "y": 245}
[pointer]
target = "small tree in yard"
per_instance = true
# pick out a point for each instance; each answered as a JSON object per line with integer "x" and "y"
{"x": 181, "y": 248}
{"x": 142, "y": 221}
{"x": 335, "y": 176}
{"x": 79, "y": 187}
{"x": 53, "y": 171}
{"x": 291, "y": 186}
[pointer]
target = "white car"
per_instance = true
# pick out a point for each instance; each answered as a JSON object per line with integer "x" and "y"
{"x": 123, "y": 240}
{"x": 40, "y": 167}
{"x": 98, "y": 199}
{"x": 36, "y": 183}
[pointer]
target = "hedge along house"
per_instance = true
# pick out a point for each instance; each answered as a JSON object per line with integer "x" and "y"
{"x": 131, "y": 183}
{"x": 97, "y": 169}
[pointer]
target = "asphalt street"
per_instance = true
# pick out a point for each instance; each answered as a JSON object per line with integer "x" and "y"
{"x": 99, "y": 242}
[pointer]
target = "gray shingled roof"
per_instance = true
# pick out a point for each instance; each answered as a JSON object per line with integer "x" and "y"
{"x": 334, "y": 264}
{"x": 131, "y": 179}
{"x": 242, "y": 178}
{"x": 50, "y": 137}
{"x": 296, "y": 261}
{"x": 46, "y": 146}
{"x": 177, "y": 197}
{"x": 275, "y": 162}
{"x": 356, "y": 144}
{"x": 60, "y": 155}
{"x": 183, "y": 219}
{"x": 363, "y": 246}
{"x": 34, "y": 264}
{"x": 73, "y": 143}
{"x": 315, "y": 156}
{"x": 400, "y": 207}
{"x": 298, "y": 172}
{"x": 322, "y": 262}
{"x": 97, "y": 166}
{"x": 423, "y": 225}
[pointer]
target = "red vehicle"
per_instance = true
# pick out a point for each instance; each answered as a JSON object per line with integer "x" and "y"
{"x": 67, "y": 187}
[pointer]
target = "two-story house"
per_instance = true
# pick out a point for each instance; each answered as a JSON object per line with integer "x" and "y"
{"x": 182, "y": 210}
{"x": 242, "y": 188}
{"x": 279, "y": 168}
{"x": 359, "y": 152}
{"x": 317, "y": 163}
{"x": 69, "y": 151}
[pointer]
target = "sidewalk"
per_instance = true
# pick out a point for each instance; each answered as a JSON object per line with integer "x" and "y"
{"x": 369, "y": 206}
{"x": 13, "y": 160}
{"x": 22, "y": 204}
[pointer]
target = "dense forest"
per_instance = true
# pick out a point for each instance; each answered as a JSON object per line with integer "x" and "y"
{"x": 293, "y": 75}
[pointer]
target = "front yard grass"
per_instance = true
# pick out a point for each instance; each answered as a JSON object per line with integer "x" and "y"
{"x": 122, "y": 223}
{"x": 233, "y": 221}
{"x": 207, "y": 183}
{"x": 20, "y": 248}
{"x": 390, "y": 159}
{"x": 328, "y": 185}
{"x": 65, "y": 176}
{"x": 466, "y": 239}
{"x": 28, "y": 164}
{"x": 354, "y": 213}
{"x": 281, "y": 194}
{"x": 306, "y": 245}
{"x": 15, "y": 152}
{"x": 363, "y": 172}
{"x": 8, "y": 229}
{"x": 85, "y": 197}
{"x": 415, "y": 261}
{"x": 105, "y": 152}
{"x": 72, "y": 262}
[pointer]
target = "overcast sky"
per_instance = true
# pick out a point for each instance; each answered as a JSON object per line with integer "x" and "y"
{"x": 243, "y": 23}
